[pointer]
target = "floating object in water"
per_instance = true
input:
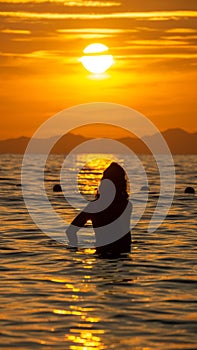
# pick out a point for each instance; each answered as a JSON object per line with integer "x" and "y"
{"x": 189, "y": 190}
{"x": 144, "y": 188}
{"x": 57, "y": 188}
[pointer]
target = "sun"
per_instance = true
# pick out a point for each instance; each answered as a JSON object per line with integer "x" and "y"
{"x": 96, "y": 59}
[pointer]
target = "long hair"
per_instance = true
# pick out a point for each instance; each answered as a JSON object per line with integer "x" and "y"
{"x": 117, "y": 175}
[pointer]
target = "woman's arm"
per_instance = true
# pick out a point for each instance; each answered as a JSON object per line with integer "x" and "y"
{"x": 79, "y": 221}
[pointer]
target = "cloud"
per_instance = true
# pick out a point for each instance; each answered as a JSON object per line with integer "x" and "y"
{"x": 34, "y": 54}
{"x": 168, "y": 58}
{"x": 92, "y": 3}
{"x": 42, "y": 55}
{"x": 15, "y": 31}
{"x": 95, "y": 31}
{"x": 154, "y": 16}
{"x": 179, "y": 37}
{"x": 86, "y": 36}
{"x": 76, "y": 3}
{"x": 181, "y": 30}
{"x": 155, "y": 43}
{"x": 92, "y": 33}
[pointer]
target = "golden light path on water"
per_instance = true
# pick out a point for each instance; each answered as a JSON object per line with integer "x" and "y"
{"x": 87, "y": 338}
{"x": 90, "y": 175}
{"x": 88, "y": 182}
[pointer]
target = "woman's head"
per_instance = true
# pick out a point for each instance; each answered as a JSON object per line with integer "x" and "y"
{"x": 117, "y": 175}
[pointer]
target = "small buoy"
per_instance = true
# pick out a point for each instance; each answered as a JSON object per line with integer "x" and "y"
{"x": 144, "y": 188}
{"x": 189, "y": 190}
{"x": 57, "y": 188}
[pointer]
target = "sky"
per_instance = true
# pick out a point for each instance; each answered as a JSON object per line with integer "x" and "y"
{"x": 153, "y": 43}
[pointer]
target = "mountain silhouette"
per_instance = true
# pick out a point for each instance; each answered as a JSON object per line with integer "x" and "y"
{"x": 178, "y": 140}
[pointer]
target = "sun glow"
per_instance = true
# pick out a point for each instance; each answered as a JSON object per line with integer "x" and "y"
{"x": 96, "y": 60}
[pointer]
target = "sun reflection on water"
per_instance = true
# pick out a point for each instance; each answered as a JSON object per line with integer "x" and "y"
{"x": 86, "y": 340}
{"x": 85, "y": 334}
{"x": 91, "y": 173}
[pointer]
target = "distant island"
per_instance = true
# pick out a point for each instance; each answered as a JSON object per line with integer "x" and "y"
{"x": 178, "y": 140}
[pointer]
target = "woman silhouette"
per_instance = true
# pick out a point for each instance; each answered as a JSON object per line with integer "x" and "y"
{"x": 110, "y": 214}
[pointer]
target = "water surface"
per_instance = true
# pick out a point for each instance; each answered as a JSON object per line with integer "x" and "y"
{"x": 52, "y": 297}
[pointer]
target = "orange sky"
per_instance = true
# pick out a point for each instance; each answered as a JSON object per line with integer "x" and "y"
{"x": 154, "y": 45}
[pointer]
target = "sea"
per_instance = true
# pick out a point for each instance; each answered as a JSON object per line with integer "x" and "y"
{"x": 54, "y": 297}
